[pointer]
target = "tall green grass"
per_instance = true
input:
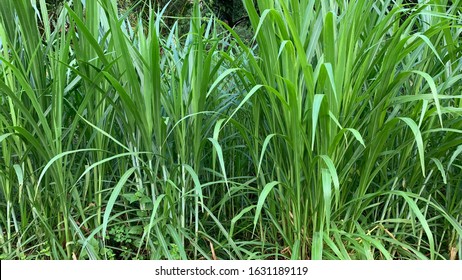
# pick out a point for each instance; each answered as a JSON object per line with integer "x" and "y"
{"x": 334, "y": 134}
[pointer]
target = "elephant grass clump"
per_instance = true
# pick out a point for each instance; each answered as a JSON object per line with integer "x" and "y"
{"x": 334, "y": 132}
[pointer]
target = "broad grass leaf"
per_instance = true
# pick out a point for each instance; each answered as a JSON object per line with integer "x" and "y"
{"x": 112, "y": 199}
{"x": 261, "y": 200}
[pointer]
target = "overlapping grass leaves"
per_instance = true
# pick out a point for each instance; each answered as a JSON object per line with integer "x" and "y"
{"x": 334, "y": 134}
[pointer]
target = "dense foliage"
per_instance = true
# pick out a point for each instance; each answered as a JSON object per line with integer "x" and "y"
{"x": 335, "y": 133}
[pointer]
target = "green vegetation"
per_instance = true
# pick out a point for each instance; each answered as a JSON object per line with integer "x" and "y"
{"x": 335, "y": 133}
